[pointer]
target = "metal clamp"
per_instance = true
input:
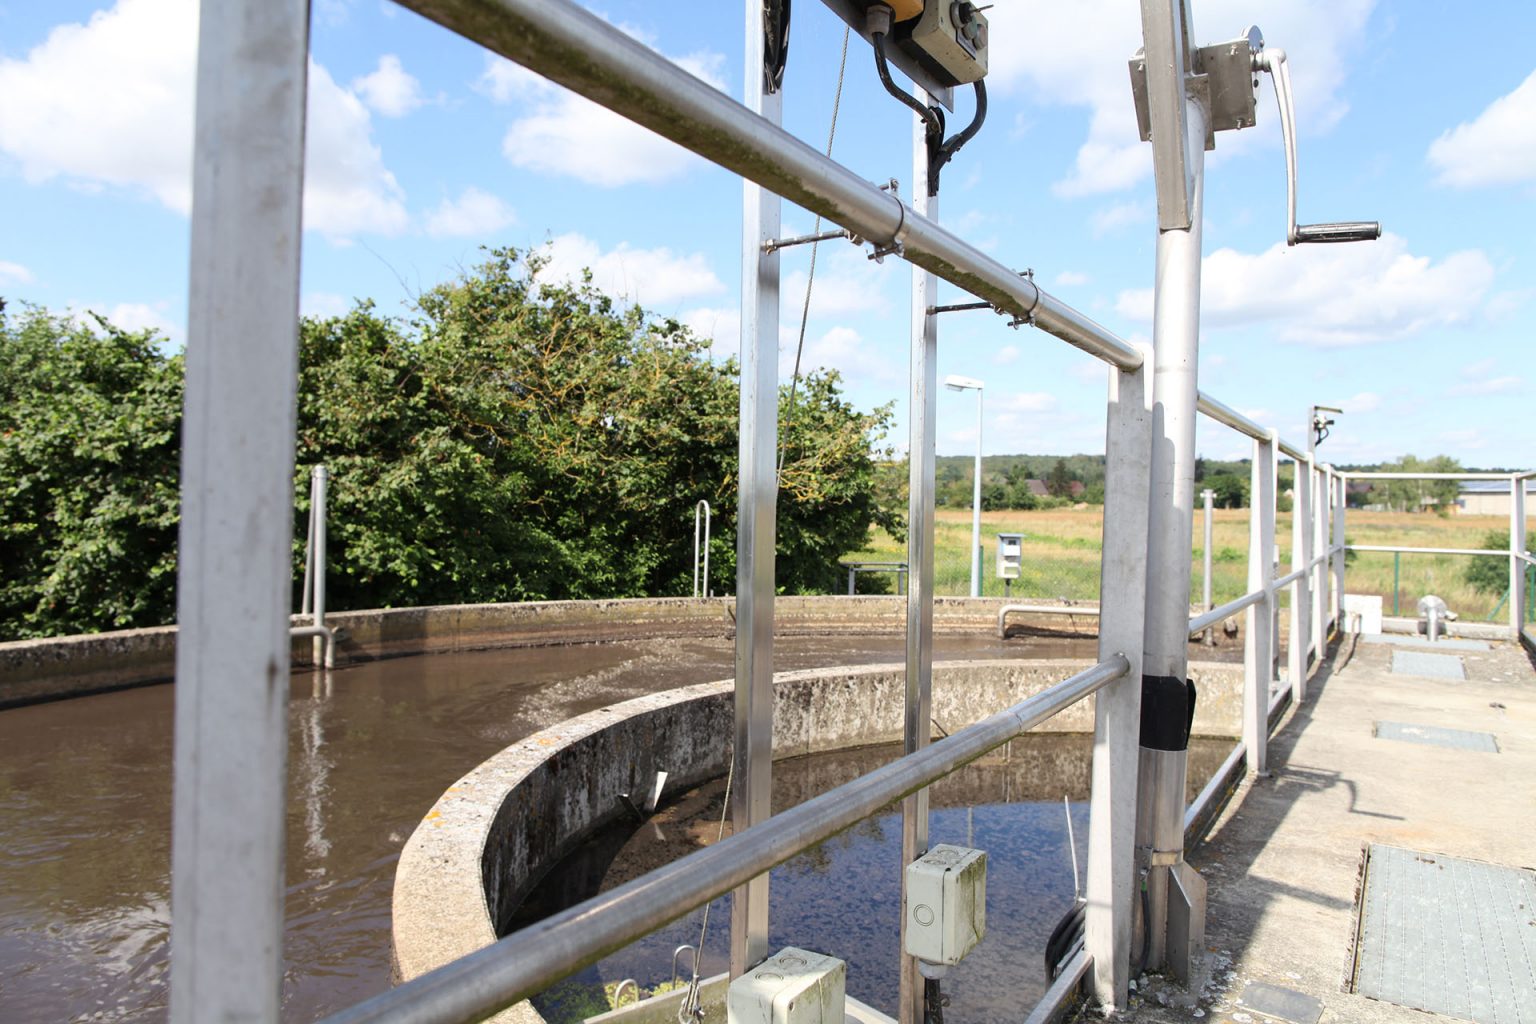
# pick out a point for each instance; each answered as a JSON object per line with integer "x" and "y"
{"x": 1028, "y": 319}
{"x": 897, "y": 246}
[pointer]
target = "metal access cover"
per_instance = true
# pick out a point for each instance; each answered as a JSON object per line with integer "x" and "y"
{"x": 1435, "y": 736}
{"x": 1447, "y": 935}
{"x": 1449, "y": 643}
{"x": 1281, "y": 1003}
{"x": 1435, "y": 666}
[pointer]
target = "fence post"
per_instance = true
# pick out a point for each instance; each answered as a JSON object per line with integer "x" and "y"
{"x": 1299, "y": 646}
{"x": 323, "y": 649}
{"x": 751, "y": 800}
{"x": 1258, "y": 661}
{"x": 1341, "y": 494}
{"x": 1517, "y": 595}
{"x": 1206, "y": 589}
{"x": 1317, "y": 576}
{"x": 235, "y": 573}
{"x": 1111, "y": 888}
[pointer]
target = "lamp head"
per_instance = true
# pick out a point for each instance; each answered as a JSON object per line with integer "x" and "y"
{"x": 955, "y": 382}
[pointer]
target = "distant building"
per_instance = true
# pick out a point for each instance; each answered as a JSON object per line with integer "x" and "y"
{"x": 1038, "y": 488}
{"x": 1491, "y": 498}
{"x": 1078, "y": 487}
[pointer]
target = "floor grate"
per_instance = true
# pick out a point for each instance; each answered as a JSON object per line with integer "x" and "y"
{"x": 1435, "y": 736}
{"x": 1447, "y": 935}
{"x": 1435, "y": 666}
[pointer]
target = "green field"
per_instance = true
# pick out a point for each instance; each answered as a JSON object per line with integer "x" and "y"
{"x": 1061, "y": 555}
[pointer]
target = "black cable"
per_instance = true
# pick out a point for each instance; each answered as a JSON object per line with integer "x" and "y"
{"x": 940, "y": 152}
{"x": 931, "y": 115}
{"x": 933, "y": 1002}
{"x": 1146, "y": 927}
{"x": 950, "y": 148}
{"x": 775, "y": 43}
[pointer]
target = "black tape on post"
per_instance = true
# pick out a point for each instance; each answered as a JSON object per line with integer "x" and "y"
{"x": 1167, "y": 712}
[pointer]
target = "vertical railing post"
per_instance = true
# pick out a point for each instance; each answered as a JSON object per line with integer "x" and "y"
{"x": 751, "y": 801}
{"x": 1208, "y": 560}
{"x": 323, "y": 649}
{"x": 1318, "y": 574}
{"x": 1340, "y": 495}
{"x": 920, "y": 525}
{"x": 1258, "y": 659}
{"x": 1517, "y": 595}
{"x": 1300, "y": 645}
{"x": 235, "y": 554}
{"x": 1111, "y": 888}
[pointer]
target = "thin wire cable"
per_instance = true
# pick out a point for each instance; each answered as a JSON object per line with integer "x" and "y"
{"x": 810, "y": 278}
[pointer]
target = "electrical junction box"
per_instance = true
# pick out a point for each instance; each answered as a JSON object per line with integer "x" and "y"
{"x": 946, "y": 904}
{"x": 1010, "y": 555}
{"x": 794, "y": 986}
{"x": 950, "y": 38}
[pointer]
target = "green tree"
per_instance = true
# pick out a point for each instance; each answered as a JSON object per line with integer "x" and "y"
{"x": 1489, "y": 574}
{"x": 1231, "y": 490}
{"x": 1060, "y": 481}
{"x": 1418, "y": 495}
{"x": 90, "y": 431}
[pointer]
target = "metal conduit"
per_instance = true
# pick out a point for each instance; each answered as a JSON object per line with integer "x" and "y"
{"x": 587, "y": 55}
{"x": 1221, "y": 613}
{"x": 530, "y": 960}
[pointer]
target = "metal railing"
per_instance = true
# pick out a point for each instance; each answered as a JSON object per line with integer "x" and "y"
{"x": 899, "y": 569}
{"x": 312, "y": 599}
{"x": 701, "y": 583}
{"x": 528, "y": 961}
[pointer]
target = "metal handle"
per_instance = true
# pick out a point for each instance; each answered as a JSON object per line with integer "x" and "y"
{"x": 1344, "y": 231}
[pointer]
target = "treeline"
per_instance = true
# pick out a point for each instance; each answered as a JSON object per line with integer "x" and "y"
{"x": 511, "y": 440}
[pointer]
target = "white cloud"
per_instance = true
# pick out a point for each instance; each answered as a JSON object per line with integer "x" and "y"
{"x": 720, "y": 326}
{"x": 390, "y": 90}
{"x": 1496, "y": 148}
{"x": 323, "y": 304}
{"x": 1006, "y": 355}
{"x": 141, "y": 316}
{"x": 1488, "y": 386}
{"x": 1075, "y": 54}
{"x": 1116, "y": 216}
{"x": 845, "y": 350}
{"x": 1337, "y": 295}
{"x": 1478, "y": 368}
{"x": 1361, "y": 402}
{"x": 650, "y": 277}
{"x": 847, "y": 281}
{"x": 14, "y": 273}
{"x": 474, "y": 213}
{"x": 1071, "y": 279}
{"x": 570, "y": 136}
{"x": 109, "y": 104}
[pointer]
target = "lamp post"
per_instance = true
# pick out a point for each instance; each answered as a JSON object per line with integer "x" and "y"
{"x": 957, "y": 383}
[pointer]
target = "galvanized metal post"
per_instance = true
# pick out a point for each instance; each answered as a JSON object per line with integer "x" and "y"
{"x": 1258, "y": 645}
{"x": 1318, "y": 574}
{"x": 323, "y": 648}
{"x": 751, "y": 802}
{"x": 1178, "y": 169}
{"x": 235, "y": 572}
{"x": 1340, "y": 493}
{"x": 920, "y": 515}
{"x": 1111, "y": 887}
{"x": 1205, "y": 581}
{"x": 1517, "y": 595}
{"x": 1300, "y": 646}
{"x": 976, "y": 508}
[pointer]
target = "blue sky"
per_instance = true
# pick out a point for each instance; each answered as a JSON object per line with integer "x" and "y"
{"x": 422, "y": 148}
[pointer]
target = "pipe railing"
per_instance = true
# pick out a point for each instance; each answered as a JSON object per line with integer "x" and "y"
{"x": 1396, "y": 549}
{"x": 701, "y": 583}
{"x": 312, "y": 600}
{"x": 1216, "y": 616}
{"x": 530, "y": 960}
{"x": 1038, "y": 609}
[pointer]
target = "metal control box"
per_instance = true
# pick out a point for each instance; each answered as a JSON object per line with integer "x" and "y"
{"x": 1010, "y": 555}
{"x": 946, "y": 904}
{"x": 952, "y": 35}
{"x": 794, "y": 986}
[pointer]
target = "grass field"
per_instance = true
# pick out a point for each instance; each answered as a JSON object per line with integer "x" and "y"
{"x": 1061, "y": 555}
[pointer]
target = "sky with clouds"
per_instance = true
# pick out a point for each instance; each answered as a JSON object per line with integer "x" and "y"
{"x": 422, "y": 148}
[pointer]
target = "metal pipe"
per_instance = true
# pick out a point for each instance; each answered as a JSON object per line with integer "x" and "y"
{"x": 1230, "y": 417}
{"x": 1207, "y": 559}
{"x": 1299, "y": 646}
{"x": 1428, "y": 476}
{"x": 1426, "y": 551}
{"x": 751, "y": 798}
{"x": 1291, "y": 577}
{"x": 1062, "y": 989}
{"x": 976, "y": 508}
{"x": 701, "y": 586}
{"x": 529, "y": 961}
{"x": 324, "y": 650}
{"x": 595, "y": 59}
{"x": 1517, "y": 594}
{"x": 1216, "y": 616}
{"x": 1039, "y": 609}
{"x": 1219, "y": 782}
{"x": 235, "y": 564}
{"x": 1259, "y": 643}
{"x": 1290, "y": 450}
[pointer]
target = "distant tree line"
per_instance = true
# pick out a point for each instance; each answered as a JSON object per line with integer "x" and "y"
{"x": 511, "y": 440}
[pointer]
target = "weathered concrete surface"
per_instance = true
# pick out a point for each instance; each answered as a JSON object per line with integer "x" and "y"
{"x": 497, "y": 830}
{"x": 1283, "y": 860}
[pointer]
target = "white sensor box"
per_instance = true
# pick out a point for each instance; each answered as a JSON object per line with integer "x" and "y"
{"x": 794, "y": 986}
{"x": 946, "y": 904}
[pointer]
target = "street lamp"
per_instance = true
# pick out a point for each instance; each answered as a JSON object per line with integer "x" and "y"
{"x": 957, "y": 383}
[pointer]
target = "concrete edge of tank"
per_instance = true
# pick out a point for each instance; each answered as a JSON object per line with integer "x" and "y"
{"x": 497, "y": 830}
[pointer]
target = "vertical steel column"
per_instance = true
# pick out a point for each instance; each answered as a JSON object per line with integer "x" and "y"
{"x": 751, "y": 801}
{"x": 1517, "y": 595}
{"x": 1176, "y": 336}
{"x": 323, "y": 649}
{"x": 1340, "y": 493}
{"x": 919, "y": 676}
{"x": 1300, "y": 646}
{"x": 1207, "y": 560}
{"x": 976, "y": 505}
{"x": 1258, "y": 644}
{"x": 235, "y": 573}
{"x": 1111, "y": 886}
{"x": 1318, "y": 574}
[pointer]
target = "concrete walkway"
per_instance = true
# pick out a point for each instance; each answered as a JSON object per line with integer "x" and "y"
{"x": 1284, "y": 859}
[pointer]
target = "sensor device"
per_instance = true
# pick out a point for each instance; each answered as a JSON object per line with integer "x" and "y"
{"x": 794, "y": 986}
{"x": 949, "y": 39}
{"x": 945, "y": 905}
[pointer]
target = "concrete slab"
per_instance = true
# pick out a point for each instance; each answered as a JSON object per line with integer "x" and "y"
{"x": 1283, "y": 860}
{"x": 1434, "y": 666}
{"x": 1447, "y": 644}
{"x": 1434, "y": 736}
{"x": 1281, "y": 1003}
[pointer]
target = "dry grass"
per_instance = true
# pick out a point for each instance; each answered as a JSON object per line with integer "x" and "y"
{"x": 1061, "y": 554}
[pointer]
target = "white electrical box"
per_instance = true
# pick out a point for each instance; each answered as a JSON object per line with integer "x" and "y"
{"x": 953, "y": 34}
{"x": 1010, "y": 555}
{"x": 794, "y": 986}
{"x": 946, "y": 904}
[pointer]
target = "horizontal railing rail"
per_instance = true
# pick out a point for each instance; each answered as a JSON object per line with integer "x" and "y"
{"x": 1222, "y": 612}
{"x": 591, "y": 57}
{"x": 1061, "y": 990}
{"x": 1394, "y": 549}
{"x": 1281, "y": 582}
{"x": 1526, "y": 558}
{"x": 530, "y": 960}
{"x": 1038, "y": 609}
{"x": 1426, "y": 476}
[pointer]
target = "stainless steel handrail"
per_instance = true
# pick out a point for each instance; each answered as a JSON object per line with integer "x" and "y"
{"x": 1039, "y": 609}
{"x": 595, "y": 59}
{"x": 1390, "y": 549}
{"x": 1222, "y": 612}
{"x": 1061, "y": 989}
{"x": 530, "y": 960}
{"x": 1291, "y": 577}
{"x": 1427, "y": 476}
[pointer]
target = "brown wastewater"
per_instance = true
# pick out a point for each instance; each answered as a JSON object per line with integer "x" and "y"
{"x": 85, "y": 808}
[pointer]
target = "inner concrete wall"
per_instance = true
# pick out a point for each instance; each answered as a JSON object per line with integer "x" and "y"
{"x": 494, "y": 833}
{"x": 71, "y": 666}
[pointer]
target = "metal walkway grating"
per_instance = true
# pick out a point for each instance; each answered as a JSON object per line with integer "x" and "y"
{"x": 1435, "y": 666}
{"x": 1447, "y": 935}
{"x": 1435, "y": 736}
